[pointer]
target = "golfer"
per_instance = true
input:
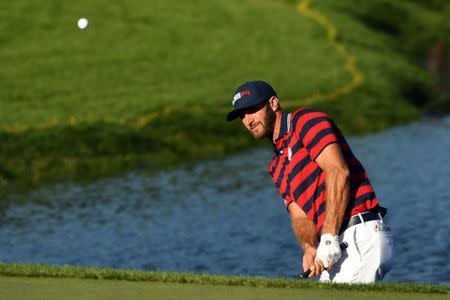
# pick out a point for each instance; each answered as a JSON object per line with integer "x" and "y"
{"x": 325, "y": 188}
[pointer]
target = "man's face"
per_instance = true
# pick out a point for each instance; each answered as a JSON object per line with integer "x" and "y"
{"x": 259, "y": 120}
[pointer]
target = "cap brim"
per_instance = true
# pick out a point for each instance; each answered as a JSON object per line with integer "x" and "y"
{"x": 234, "y": 114}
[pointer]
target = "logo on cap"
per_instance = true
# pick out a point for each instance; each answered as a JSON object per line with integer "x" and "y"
{"x": 240, "y": 95}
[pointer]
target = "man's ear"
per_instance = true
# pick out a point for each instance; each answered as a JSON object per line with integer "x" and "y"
{"x": 274, "y": 104}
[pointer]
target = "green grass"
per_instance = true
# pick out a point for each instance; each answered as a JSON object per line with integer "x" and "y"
{"x": 148, "y": 84}
{"x": 138, "y": 56}
{"x": 13, "y": 277}
{"x": 49, "y": 289}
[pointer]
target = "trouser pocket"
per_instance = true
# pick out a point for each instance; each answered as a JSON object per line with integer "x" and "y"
{"x": 374, "y": 243}
{"x": 386, "y": 252}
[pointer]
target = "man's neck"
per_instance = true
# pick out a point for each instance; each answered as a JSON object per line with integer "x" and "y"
{"x": 277, "y": 127}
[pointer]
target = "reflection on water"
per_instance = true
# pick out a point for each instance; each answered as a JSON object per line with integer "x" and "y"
{"x": 225, "y": 217}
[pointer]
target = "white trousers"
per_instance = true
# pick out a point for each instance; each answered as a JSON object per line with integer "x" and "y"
{"x": 368, "y": 257}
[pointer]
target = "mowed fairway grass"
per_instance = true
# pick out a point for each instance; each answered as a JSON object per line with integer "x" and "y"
{"x": 148, "y": 83}
{"x": 31, "y": 281}
{"x": 68, "y": 289}
{"x": 138, "y": 56}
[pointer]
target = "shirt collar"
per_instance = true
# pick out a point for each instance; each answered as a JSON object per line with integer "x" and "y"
{"x": 285, "y": 124}
{"x": 284, "y": 129}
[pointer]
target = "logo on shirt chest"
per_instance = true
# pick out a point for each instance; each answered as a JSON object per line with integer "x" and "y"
{"x": 289, "y": 153}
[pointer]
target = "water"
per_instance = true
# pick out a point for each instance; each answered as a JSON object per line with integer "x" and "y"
{"x": 225, "y": 217}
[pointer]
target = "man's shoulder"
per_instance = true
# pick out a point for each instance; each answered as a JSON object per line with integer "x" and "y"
{"x": 303, "y": 115}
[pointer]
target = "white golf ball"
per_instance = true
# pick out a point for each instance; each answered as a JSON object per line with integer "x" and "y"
{"x": 83, "y": 23}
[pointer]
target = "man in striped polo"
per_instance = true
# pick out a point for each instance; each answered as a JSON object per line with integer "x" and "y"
{"x": 326, "y": 190}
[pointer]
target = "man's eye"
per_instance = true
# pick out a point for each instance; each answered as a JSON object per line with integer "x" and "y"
{"x": 242, "y": 115}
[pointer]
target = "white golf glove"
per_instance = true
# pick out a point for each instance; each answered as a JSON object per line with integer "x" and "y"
{"x": 329, "y": 250}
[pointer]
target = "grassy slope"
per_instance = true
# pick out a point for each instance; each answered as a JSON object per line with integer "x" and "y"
{"x": 81, "y": 279}
{"x": 147, "y": 84}
{"x": 49, "y": 289}
{"x": 138, "y": 56}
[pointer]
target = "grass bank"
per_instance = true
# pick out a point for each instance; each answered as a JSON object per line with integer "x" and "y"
{"x": 14, "y": 276}
{"x": 52, "y": 289}
{"x": 148, "y": 84}
{"x": 49, "y": 289}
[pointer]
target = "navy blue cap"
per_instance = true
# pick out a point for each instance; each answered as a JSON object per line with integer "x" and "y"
{"x": 250, "y": 94}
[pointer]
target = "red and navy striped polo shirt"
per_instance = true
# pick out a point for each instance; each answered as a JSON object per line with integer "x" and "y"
{"x": 304, "y": 134}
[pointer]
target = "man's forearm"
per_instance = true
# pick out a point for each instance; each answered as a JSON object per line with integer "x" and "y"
{"x": 337, "y": 193}
{"x": 304, "y": 230}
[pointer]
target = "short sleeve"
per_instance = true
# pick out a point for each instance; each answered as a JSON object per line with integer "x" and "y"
{"x": 287, "y": 200}
{"x": 316, "y": 130}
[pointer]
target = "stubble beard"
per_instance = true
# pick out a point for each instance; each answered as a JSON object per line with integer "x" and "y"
{"x": 268, "y": 125}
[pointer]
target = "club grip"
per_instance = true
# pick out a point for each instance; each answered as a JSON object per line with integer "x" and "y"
{"x": 305, "y": 274}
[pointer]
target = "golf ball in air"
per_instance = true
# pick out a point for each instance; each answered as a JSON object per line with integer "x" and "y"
{"x": 83, "y": 23}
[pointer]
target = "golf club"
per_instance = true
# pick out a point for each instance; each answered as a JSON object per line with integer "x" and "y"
{"x": 305, "y": 274}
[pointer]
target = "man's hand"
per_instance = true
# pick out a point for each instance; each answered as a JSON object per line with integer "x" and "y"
{"x": 306, "y": 234}
{"x": 328, "y": 252}
{"x": 308, "y": 261}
